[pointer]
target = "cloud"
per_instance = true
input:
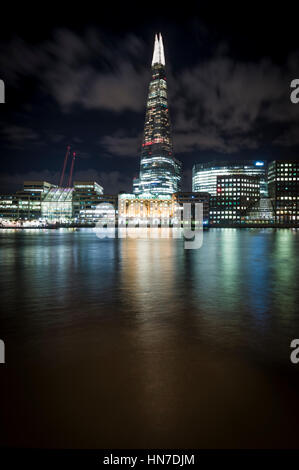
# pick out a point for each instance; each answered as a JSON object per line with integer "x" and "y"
{"x": 219, "y": 104}
{"x": 211, "y": 139}
{"x": 56, "y": 137}
{"x": 223, "y": 105}
{"x": 18, "y": 134}
{"x": 82, "y": 70}
{"x": 121, "y": 145}
{"x": 288, "y": 138}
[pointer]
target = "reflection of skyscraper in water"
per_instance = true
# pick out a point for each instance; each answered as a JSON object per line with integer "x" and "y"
{"x": 160, "y": 172}
{"x": 154, "y": 300}
{"x": 148, "y": 276}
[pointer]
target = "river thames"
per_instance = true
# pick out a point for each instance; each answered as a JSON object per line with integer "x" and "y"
{"x": 127, "y": 343}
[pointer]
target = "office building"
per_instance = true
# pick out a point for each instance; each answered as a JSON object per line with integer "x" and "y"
{"x": 47, "y": 203}
{"x": 204, "y": 175}
{"x": 235, "y": 194}
{"x": 56, "y": 206}
{"x": 160, "y": 172}
{"x": 8, "y": 206}
{"x": 261, "y": 213}
{"x": 283, "y": 184}
{"x": 87, "y": 200}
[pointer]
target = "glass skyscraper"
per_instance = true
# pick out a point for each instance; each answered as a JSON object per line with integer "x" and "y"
{"x": 160, "y": 172}
{"x": 204, "y": 175}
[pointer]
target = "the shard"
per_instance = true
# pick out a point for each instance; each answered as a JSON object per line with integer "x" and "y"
{"x": 160, "y": 172}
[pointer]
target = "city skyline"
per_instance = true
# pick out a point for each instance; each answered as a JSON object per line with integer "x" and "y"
{"x": 149, "y": 232}
{"x": 235, "y": 192}
{"x": 86, "y": 86}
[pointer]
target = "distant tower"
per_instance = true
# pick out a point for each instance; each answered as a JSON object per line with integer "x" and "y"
{"x": 160, "y": 172}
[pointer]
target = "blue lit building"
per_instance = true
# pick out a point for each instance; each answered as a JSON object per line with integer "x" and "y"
{"x": 204, "y": 175}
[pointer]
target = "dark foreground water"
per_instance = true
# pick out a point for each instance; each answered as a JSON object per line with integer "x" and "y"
{"x": 141, "y": 343}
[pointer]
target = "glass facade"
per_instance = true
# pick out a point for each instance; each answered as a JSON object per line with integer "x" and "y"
{"x": 204, "y": 175}
{"x": 160, "y": 172}
{"x": 44, "y": 202}
{"x": 25, "y": 205}
{"x": 57, "y": 205}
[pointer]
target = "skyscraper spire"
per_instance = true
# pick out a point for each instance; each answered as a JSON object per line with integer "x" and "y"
{"x": 156, "y": 51}
{"x": 158, "y": 56}
{"x": 162, "y": 57}
{"x": 160, "y": 172}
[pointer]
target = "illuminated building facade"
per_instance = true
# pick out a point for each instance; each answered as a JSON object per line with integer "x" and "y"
{"x": 283, "y": 183}
{"x": 87, "y": 201}
{"x": 131, "y": 206}
{"x": 47, "y": 203}
{"x": 181, "y": 198}
{"x": 57, "y": 205}
{"x": 29, "y": 200}
{"x": 261, "y": 213}
{"x": 25, "y": 205}
{"x": 8, "y": 206}
{"x": 160, "y": 172}
{"x": 165, "y": 207}
{"x": 235, "y": 194}
{"x": 41, "y": 187}
{"x": 204, "y": 175}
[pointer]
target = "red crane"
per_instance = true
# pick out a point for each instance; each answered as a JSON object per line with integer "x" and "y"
{"x": 72, "y": 169}
{"x": 64, "y": 165}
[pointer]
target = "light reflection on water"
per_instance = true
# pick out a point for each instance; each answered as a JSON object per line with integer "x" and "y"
{"x": 127, "y": 343}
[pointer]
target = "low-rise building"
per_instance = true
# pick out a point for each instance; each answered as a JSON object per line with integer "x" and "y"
{"x": 56, "y": 206}
{"x": 192, "y": 198}
{"x": 261, "y": 213}
{"x": 144, "y": 207}
{"x": 25, "y": 204}
{"x": 8, "y": 206}
{"x": 91, "y": 205}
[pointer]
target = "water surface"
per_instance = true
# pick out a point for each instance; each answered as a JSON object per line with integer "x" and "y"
{"x": 141, "y": 343}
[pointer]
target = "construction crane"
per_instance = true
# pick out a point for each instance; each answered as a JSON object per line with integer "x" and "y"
{"x": 68, "y": 149}
{"x": 72, "y": 169}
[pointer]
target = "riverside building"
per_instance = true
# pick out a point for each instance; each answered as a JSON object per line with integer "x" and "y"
{"x": 204, "y": 175}
{"x": 41, "y": 203}
{"x": 235, "y": 195}
{"x": 160, "y": 172}
{"x": 283, "y": 183}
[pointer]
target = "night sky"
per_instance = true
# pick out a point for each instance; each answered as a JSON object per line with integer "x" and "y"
{"x": 80, "y": 76}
